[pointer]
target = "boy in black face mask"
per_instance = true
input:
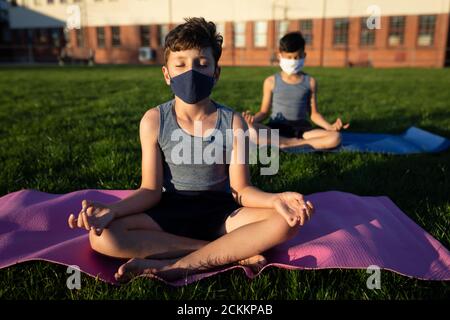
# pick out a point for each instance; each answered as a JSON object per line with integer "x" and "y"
{"x": 190, "y": 213}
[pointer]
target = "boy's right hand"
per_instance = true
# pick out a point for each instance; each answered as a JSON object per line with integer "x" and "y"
{"x": 338, "y": 125}
{"x": 248, "y": 116}
{"x": 93, "y": 215}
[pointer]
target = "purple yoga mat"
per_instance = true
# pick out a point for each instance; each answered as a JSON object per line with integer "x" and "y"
{"x": 347, "y": 231}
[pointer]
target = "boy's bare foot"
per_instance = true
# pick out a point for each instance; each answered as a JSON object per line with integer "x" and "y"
{"x": 255, "y": 263}
{"x": 167, "y": 270}
{"x": 138, "y": 266}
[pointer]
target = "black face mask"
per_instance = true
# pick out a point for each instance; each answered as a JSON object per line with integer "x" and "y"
{"x": 192, "y": 86}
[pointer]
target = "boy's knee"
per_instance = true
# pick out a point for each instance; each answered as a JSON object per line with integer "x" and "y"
{"x": 334, "y": 138}
{"x": 106, "y": 243}
{"x": 286, "y": 230}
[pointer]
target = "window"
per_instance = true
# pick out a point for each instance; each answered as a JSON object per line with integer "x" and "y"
{"x": 282, "y": 29}
{"x": 340, "y": 31}
{"x": 79, "y": 38}
{"x": 66, "y": 33}
{"x": 145, "y": 36}
{"x": 306, "y": 28}
{"x": 396, "y": 31}
{"x": 220, "y": 27}
{"x": 367, "y": 36}
{"x": 100, "y": 37}
{"x": 55, "y": 32}
{"x": 426, "y": 30}
{"x": 163, "y": 31}
{"x": 115, "y": 36}
{"x": 260, "y": 34}
{"x": 239, "y": 34}
{"x": 50, "y": 2}
{"x": 42, "y": 36}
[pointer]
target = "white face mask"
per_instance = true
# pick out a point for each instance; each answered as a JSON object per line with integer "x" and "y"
{"x": 291, "y": 66}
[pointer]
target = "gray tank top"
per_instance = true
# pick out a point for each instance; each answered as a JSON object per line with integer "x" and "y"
{"x": 192, "y": 163}
{"x": 291, "y": 101}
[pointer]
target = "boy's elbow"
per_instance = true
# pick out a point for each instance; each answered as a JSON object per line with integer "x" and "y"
{"x": 314, "y": 115}
{"x": 155, "y": 194}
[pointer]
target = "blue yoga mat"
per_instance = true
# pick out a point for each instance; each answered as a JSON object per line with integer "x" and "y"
{"x": 413, "y": 140}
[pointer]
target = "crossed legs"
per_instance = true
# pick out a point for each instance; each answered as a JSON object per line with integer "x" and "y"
{"x": 247, "y": 233}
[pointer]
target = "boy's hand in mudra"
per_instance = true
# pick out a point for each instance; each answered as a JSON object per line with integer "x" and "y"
{"x": 248, "y": 117}
{"x": 338, "y": 125}
{"x": 93, "y": 215}
{"x": 293, "y": 208}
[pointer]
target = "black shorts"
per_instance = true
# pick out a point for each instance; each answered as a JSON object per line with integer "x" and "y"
{"x": 291, "y": 129}
{"x": 200, "y": 215}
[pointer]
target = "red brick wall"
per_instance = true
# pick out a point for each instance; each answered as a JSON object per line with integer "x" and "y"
{"x": 322, "y": 51}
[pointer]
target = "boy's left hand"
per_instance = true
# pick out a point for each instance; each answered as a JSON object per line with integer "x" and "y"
{"x": 293, "y": 207}
{"x": 248, "y": 117}
{"x": 338, "y": 125}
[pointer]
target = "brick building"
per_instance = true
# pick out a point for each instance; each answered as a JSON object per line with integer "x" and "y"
{"x": 411, "y": 32}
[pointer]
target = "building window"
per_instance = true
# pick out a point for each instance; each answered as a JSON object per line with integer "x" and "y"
{"x": 396, "y": 30}
{"x": 282, "y": 29}
{"x": 145, "y": 36}
{"x": 79, "y": 38}
{"x": 427, "y": 25}
{"x": 42, "y": 36}
{"x": 340, "y": 31}
{"x": 239, "y": 34}
{"x": 100, "y": 37}
{"x": 306, "y": 28}
{"x": 260, "y": 34}
{"x": 367, "y": 36}
{"x": 55, "y": 33}
{"x": 50, "y": 1}
{"x": 163, "y": 31}
{"x": 115, "y": 36}
{"x": 220, "y": 28}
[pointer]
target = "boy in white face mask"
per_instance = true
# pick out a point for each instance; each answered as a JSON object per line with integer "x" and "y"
{"x": 292, "y": 96}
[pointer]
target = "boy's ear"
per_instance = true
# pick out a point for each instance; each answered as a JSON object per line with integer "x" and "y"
{"x": 165, "y": 71}
{"x": 217, "y": 73}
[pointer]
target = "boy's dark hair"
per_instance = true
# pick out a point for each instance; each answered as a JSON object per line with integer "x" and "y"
{"x": 292, "y": 42}
{"x": 195, "y": 33}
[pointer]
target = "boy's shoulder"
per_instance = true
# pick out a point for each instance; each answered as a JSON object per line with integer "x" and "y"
{"x": 269, "y": 82}
{"x": 150, "y": 117}
{"x": 153, "y": 114}
{"x": 271, "y": 78}
{"x": 312, "y": 80}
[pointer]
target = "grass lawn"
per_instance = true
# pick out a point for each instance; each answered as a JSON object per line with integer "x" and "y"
{"x": 72, "y": 128}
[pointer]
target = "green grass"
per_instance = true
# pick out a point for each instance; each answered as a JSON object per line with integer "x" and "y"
{"x": 66, "y": 129}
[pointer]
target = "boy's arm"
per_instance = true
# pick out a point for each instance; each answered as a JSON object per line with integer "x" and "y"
{"x": 290, "y": 205}
{"x": 150, "y": 190}
{"x": 266, "y": 102}
{"x": 317, "y": 117}
{"x": 243, "y": 192}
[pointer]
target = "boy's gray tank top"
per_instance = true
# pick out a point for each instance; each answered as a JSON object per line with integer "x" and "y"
{"x": 193, "y": 163}
{"x": 291, "y": 101}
